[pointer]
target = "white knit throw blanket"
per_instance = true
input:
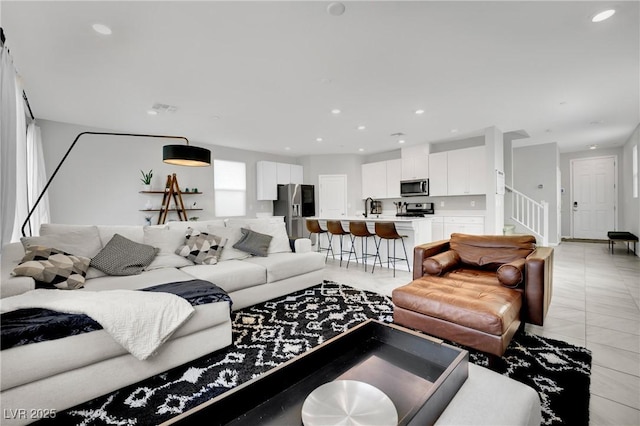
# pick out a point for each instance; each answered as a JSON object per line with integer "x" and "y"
{"x": 141, "y": 321}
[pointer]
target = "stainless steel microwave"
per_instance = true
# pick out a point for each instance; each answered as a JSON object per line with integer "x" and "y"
{"x": 414, "y": 188}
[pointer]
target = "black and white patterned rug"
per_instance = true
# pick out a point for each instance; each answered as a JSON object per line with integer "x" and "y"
{"x": 270, "y": 333}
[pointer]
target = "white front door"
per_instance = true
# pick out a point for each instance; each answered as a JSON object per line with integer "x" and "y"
{"x": 333, "y": 196}
{"x": 593, "y": 197}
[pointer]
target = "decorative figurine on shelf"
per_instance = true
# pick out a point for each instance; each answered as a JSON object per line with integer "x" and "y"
{"x": 193, "y": 206}
{"x": 186, "y": 190}
{"x": 195, "y": 189}
{"x": 146, "y": 180}
{"x": 147, "y": 220}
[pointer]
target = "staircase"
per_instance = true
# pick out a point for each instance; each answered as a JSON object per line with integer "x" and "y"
{"x": 531, "y": 214}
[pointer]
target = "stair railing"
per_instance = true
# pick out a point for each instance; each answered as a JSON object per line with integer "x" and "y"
{"x": 531, "y": 214}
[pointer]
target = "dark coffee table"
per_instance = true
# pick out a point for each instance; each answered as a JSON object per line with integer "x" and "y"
{"x": 418, "y": 373}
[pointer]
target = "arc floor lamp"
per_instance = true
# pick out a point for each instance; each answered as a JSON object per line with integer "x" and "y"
{"x": 180, "y": 155}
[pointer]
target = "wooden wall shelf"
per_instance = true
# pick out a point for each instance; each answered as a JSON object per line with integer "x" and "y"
{"x": 171, "y": 210}
{"x": 162, "y": 192}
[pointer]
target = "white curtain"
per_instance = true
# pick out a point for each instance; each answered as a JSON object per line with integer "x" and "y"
{"x": 21, "y": 161}
{"x": 8, "y": 128}
{"x": 22, "y": 204}
{"x": 36, "y": 179}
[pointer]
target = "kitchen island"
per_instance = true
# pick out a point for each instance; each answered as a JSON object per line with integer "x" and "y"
{"x": 417, "y": 230}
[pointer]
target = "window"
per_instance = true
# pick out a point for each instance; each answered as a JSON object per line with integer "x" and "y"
{"x": 230, "y": 188}
{"x": 635, "y": 171}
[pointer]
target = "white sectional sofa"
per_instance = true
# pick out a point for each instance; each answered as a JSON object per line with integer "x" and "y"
{"x": 58, "y": 374}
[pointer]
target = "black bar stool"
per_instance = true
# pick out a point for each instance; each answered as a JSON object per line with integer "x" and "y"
{"x": 387, "y": 231}
{"x": 335, "y": 228}
{"x": 359, "y": 229}
{"x": 313, "y": 226}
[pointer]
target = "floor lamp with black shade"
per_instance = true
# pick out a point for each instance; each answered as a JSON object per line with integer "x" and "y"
{"x": 181, "y": 155}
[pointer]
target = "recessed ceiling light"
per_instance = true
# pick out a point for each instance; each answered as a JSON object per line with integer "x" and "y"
{"x": 401, "y": 141}
{"x": 593, "y": 146}
{"x": 101, "y": 29}
{"x": 419, "y": 111}
{"x": 454, "y": 130}
{"x": 603, "y": 15}
{"x": 287, "y": 148}
{"x": 152, "y": 112}
{"x": 362, "y": 127}
{"x": 318, "y": 139}
{"x": 335, "y": 111}
{"x": 335, "y": 8}
{"x": 361, "y": 149}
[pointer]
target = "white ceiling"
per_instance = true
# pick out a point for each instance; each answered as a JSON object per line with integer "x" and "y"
{"x": 265, "y": 75}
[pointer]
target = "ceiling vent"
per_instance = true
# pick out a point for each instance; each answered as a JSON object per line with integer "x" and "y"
{"x": 395, "y": 135}
{"x": 160, "y": 108}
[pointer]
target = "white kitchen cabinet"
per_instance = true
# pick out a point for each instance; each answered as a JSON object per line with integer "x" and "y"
{"x": 266, "y": 176}
{"x": 463, "y": 224}
{"x": 297, "y": 173}
{"x": 394, "y": 175}
{"x": 381, "y": 179}
{"x": 270, "y": 174}
{"x": 466, "y": 171}
{"x": 374, "y": 180}
{"x": 415, "y": 162}
{"x": 438, "y": 174}
{"x": 437, "y": 229}
{"x": 283, "y": 173}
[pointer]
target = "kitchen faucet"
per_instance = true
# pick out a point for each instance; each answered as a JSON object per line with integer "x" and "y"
{"x": 366, "y": 210}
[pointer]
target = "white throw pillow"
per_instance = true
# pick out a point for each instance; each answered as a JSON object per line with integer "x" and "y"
{"x": 81, "y": 240}
{"x": 167, "y": 240}
{"x": 278, "y": 230}
{"x": 233, "y": 235}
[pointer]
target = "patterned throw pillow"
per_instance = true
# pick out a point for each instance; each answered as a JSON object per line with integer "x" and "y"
{"x": 254, "y": 242}
{"x": 122, "y": 256}
{"x": 53, "y": 268}
{"x": 201, "y": 247}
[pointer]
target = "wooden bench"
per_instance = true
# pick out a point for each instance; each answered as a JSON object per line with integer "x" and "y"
{"x": 625, "y": 237}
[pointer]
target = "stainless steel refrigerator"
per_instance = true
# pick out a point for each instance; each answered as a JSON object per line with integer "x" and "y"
{"x": 295, "y": 202}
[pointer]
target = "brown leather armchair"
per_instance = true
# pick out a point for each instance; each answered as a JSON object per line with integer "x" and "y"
{"x": 477, "y": 290}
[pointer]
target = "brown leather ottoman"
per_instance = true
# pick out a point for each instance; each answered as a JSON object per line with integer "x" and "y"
{"x": 466, "y": 306}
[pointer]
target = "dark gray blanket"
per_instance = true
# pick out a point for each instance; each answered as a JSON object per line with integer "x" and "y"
{"x": 33, "y": 325}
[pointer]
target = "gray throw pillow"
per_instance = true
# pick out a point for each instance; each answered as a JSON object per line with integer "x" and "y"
{"x": 122, "y": 256}
{"x": 253, "y": 242}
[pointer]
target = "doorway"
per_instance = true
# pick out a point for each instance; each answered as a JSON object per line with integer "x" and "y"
{"x": 593, "y": 197}
{"x": 332, "y": 196}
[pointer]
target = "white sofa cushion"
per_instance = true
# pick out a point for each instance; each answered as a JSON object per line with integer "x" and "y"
{"x": 230, "y": 275}
{"x": 132, "y": 232}
{"x": 199, "y": 225}
{"x": 81, "y": 240}
{"x": 285, "y": 265}
{"x": 167, "y": 240}
{"x": 233, "y": 235}
{"x": 277, "y": 230}
{"x": 134, "y": 282}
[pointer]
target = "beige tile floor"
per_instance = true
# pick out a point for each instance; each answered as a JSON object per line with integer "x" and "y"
{"x": 595, "y": 303}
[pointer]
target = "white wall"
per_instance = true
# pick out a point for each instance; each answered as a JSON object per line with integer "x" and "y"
{"x": 537, "y": 165}
{"x": 565, "y": 169}
{"x": 344, "y": 164}
{"x": 629, "y": 206}
{"x": 100, "y": 180}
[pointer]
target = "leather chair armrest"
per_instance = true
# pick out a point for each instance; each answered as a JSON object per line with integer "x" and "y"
{"x": 421, "y": 252}
{"x": 538, "y": 284}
